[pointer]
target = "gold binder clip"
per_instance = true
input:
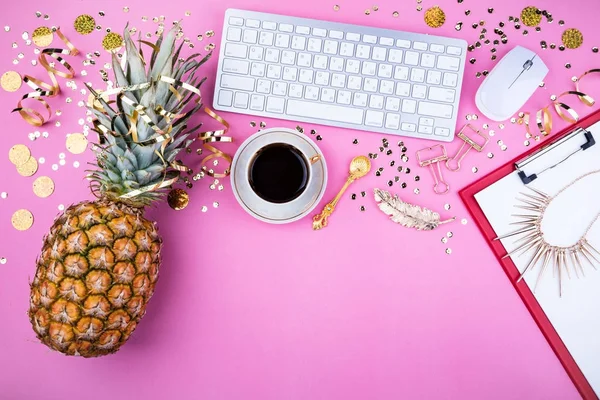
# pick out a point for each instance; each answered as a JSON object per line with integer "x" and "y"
{"x": 467, "y": 141}
{"x": 440, "y": 186}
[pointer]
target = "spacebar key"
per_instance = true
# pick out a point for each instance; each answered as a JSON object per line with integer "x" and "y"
{"x": 325, "y": 111}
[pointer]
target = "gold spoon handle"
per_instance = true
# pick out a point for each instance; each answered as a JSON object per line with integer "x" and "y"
{"x": 320, "y": 220}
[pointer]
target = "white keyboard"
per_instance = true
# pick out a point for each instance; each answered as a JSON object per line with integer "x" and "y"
{"x": 342, "y": 75}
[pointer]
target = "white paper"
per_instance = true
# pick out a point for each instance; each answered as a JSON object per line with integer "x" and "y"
{"x": 575, "y": 315}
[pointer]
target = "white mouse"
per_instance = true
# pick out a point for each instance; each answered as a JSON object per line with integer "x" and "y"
{"x": 510, "y": 84}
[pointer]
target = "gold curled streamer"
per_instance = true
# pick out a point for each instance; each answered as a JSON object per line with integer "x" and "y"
{"x": 43, "y": 89}
{"x": 578, "y": 81}
{"x": 211, "y": 137}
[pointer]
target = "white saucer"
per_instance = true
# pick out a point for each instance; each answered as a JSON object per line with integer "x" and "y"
{"x": 272, "y": 212}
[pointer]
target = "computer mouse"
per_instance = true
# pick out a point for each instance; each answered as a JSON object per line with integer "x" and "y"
{"x": 510, "y": 84}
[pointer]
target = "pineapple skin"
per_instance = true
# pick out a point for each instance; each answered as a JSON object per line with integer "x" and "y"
{"x": 95, "y": 275}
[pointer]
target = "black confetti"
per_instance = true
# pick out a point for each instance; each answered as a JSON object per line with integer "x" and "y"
{"x": 390, "y": 183}
{"x": 355, "y": 141}
{"x": 362, "y": 208}
{"x": 417, "y": 178}
{"x": 363, "y": 194}
{"x": 392, "y": 163}
{"x": 403, "y": 185}
{"x": 319, "y": 137}
{"x": 389, "y": 152}
{"x": 353, "y": 197}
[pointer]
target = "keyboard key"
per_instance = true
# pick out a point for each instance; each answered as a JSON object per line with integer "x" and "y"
{"x": 286, "y": 28}
{"x": 303, "y": 30}
{"x": 288, "y": 57}
{"x": 409, "y": 106}
{"x": 275, "y": 104}
{"x": 274, "y": 71}
{"x": 263, "y": 86}
{"x": 436, "y": 48}
{"x": 320, "y": 62}
{"x": 370, "y": 85}
{"x": 434, "y": 77}
{"x": 352, "y": 66}
{"x": 448, "y": 63}
{"x": 311, "y": 93}
{"x": 306, "y": 76}
{"x": 253, "y": 23}
{"x": 298, "y": 42}
{"x": 354, "y": 82}
{"x": 353, "y": 37}
{"x": 257, "y": 102}
{"x": 272, "y": 55}
{"x": 411, "y": 58}
{"x": 417, "y": 75}
{"x": 266, "y": 38}
{"x": 338, "y": 80}
{"x": 405, "y": 44}
{"x": 314, "y": 45}
{"x": 363, "y": 51}
{"x": 234, "y": 34}
{"x": 369, "y": 68}
{"x": 236, "y": 21}
{"x": 225, "y": 98}
{"x": 428, "y": 130}
{"x": 336, "y": 34}
{"x": 279, "y": 88}
{"x": 319, "y": 32}
{"x": 374, "y": 118}
{"x": 435, "y": 109}
{"x": 347, "y": 49}
{"x": 386, "y": 87}
{"x": 384, "y": 71}
{"x": 395, "y": 56}
{"x": 360, "y": 99}
{"x": 327, "y": 112}
{"x": 296, "y": 90}
{"x": 379, "y": 53}
{"x": 450, "y": 79}
{"x": 401, "y": 73}
{"x": 270, "y": 26}
{"x": 426, "y": 121}
{"x": 330, "y": 47}
{"x": 256, "y": 53}
{"x": 282, "y": 40}
{"x": 420, "y": 46}
{"x": 258, "y": 69}
{"x": 344, "y": 97}
{"x": 419, "y": 91}
{"x": 392, "y": 121}
{"x": 455, "y": 51}
{"x": 328, "y": 95}
{"x": 304, "y": 60}
{"x": 386, "y": 41}
{"x": 322, "y": 78}
{"x": 241, "y": 100}
{"x": 403, "y": 89}
{"x": 290, "y": 73}
{"x": 376, "y": 101}
{"x": 442, "y": 132}
{"x": 408, "y": 127}
{"x": 370, "y": 39}
{"x": 250, "y": 36}
{"x": 236, "y": 66}
{"x": 336, "y": 64}
{"x": 441, "y": 94}
{"x": 236, "y": 50}
{"x": 427, "y": 60}
{"x": 237, "y": 82}
{"x": 392, "y": 104}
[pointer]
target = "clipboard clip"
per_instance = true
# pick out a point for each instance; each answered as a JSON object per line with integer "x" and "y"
{"x": 467, "y": 141}
{"x": 440, "y": 186}
{"x": 526, "y": 179}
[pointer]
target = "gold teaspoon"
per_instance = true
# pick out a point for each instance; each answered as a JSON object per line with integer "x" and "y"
{"x": 359, "y": 167}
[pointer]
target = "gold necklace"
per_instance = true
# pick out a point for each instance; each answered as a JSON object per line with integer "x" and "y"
{"x": 533, "y": 241}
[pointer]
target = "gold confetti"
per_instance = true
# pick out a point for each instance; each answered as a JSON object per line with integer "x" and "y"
{"x": 375, "y": 8}
{"x": 43, "y": 186}
{"x": 11, "y": 81}
{"x": 178, "y": 199}
{"x": 19, "y": 154}
{"x": 336, "y": 7}
{"x": 395, "y": 14}
{"x": 28, "y": 168}
{"x": 76, "y": 143}
{"x": 572, "y": 38}
{"x": 210, "y": 33}
{"x": 22, "y": 220}
{"x": 112, "y": 42}
{"x": 368, "y": 11}
{"x": 531, "y": 16}
{"x": 42, "y": 36}
{"x": 84, "y": 24}
{"x": 435, "y": 17}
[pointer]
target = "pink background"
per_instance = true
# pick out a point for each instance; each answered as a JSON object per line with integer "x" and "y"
{"x": 364, "y": 309}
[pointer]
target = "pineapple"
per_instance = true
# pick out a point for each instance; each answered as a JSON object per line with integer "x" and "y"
{"x": 99, "y": 263}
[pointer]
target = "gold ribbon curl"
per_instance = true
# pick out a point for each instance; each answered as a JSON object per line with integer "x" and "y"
{"x": 43, "y": 89}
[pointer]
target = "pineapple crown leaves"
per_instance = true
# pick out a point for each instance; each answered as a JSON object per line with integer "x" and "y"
{"x": 124, "y": 164}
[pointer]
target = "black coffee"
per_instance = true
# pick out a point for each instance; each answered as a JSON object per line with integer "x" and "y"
{"x": 279, "y": 173}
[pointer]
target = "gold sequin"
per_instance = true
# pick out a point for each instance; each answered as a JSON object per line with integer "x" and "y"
{"x": 76, "y": 143}
{"x": 43, "y": 186}
{"x": 19, "y": 154}
{"x": 84, "y": 24}
{"x": 42, "y": 36}
{"x": 178, "y": 199}
{"x": 28, "y": 168}
{"x": 11, "y": 81}
{"x": 22, "y": 220}
{"x": 435, "y": 17}
{"x": 112, "y": 42}
{"x": 572, "y": 38}
{"x": 336, "y": 7}
{"x": 531, "y": 16}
